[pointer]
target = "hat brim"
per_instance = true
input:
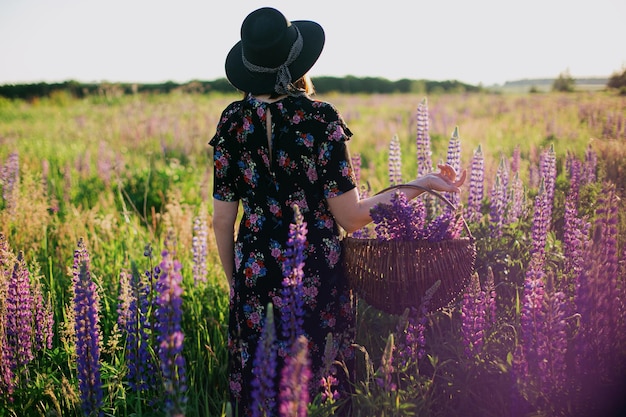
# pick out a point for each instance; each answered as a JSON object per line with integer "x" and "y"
{"x": 260, "y": 83}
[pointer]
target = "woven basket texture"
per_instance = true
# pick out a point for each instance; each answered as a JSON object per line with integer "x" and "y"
{"x": 394, "y": 275}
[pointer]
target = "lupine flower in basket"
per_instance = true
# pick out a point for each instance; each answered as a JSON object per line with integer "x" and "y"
{"x": 405, "y": 220}
{"x": 392, "y": 263}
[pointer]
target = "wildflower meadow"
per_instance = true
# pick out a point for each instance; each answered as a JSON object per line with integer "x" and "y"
{"x": 113, "y": 301}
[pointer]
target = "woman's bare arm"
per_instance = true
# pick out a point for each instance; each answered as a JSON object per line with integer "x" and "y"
{"x": 224, "y": 218}
{"x": 352, "y": 213}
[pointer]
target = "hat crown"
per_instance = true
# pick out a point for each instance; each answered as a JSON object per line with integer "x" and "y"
{"x": 267, "y": 37}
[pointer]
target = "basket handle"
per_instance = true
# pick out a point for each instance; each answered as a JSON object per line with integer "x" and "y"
{"x": 436, "y": 194}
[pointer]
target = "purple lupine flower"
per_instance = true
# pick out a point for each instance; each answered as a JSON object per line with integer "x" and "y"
{"x": 598, "y": 294}
{"x": 516, "y": 202}
{"x": 498, "y": 201}
{"x": 476, "y": 186}
{"x": 410, "y": 331}
{"x": 44, "y": 318}
{"x": 294, "y": 381}
{"x": 424, "y": 153}
{"x": 552, "y": 370}
{"x": 169, "y": 333}
{"x": 515, "y": 159}
{"x": 395, "y": 161}
{"x": 87, "y": 326}
{"x": 264, "y": 369}
{"x": 384, "y": 373}
{"x": 490, "y": 291}
{"x": 543, "y": 333}
{"x": 541, "y": 222}
{"x": 142, "y": 370}
{"x": 7, "y": 382}
{"x": 401, "y": 219}
{"x": 292, "y": 305}
{"x": 356, "y": 169}
{"x": 19, "y": 316}
{"x": 589, "y": 168}
{"x": 446, "y": 226}
{"x": 575, "y": 231}
{"x": 199, "y": 248}
{"x": 547, "y": 169}
{"x": 473, "y": 317}
{"x": 532, "y": 317}
{"x": 454, "y": 160}
{"x": 133, "y": 322}
{"x": 9, "y": 178}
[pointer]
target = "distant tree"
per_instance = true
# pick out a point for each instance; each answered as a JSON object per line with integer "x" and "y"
{"x": 618, "y": 81}
{"x": 565, "y": 82}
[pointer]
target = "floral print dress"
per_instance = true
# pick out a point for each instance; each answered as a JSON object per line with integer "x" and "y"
{"x": 307, "y": 164}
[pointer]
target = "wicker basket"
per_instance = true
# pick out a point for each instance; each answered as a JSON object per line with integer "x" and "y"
{"x": 394, "y": 275}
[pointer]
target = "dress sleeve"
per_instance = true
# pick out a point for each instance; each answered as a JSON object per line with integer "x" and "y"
{"x": 333, "y": 162}
{"x": 224, "y": 163}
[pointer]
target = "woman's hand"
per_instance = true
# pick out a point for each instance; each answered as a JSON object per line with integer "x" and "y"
{"x": 444, "y": 180}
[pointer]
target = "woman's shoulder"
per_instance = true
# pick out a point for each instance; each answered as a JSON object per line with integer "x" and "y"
{"x": 321, "y": 110}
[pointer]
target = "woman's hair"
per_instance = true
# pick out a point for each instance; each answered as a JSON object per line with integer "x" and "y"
{"x": 304, "y": 84}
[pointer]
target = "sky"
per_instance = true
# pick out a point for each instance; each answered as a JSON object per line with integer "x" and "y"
{"x": 477, "y": 42}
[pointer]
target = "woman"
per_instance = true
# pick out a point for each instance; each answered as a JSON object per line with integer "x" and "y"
{"x": 274, "y": 149}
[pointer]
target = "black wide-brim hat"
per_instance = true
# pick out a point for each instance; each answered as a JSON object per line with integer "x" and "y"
{"x": 266, "y": 40}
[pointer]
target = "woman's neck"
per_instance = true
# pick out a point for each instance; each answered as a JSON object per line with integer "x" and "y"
{"x": 268, "y": 98}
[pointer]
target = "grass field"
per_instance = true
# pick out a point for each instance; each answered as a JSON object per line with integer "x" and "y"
{"x": 130, "y": 178}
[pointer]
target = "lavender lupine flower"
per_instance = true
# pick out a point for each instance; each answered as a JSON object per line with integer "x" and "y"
{"x": 589, "y": 168}
{"x": 395, "y": 161}
{"x": 44, "y": 319}
{"x": 445, "y": 226}
{"x": 199, "y": 248}
{"x": 401, "y": 219}
{"x": 515, "y": 160}
{"x": 9, "y": 178}
{"x": 136, "y": 323}
{"x": 476, "y": 186}
{"x": 384, "y": 373}
{"x": 87, "y": 326}
{"x": 169, "y": 333}
{"x": 356, "y": 169}
{"x": 575, "y": 232}
{"x": 292, "y": 304}
{"x": 532, "y": 317}
{"x": 473, "y": 317}
{"x": 454, "y": 160}
{"x": 19, "y": 316}
{"x": 410, "y": 331}
{"x": 498, "y": 201}
{"x": 129, "y": 322}
{"x": 541, "y": 221}
{"x": 547, "y": 169}
{"x": 7, "y": 383}
{"x": 294, "y": 382}
{"x": 543, "y": 347}
{"x": 264, "y": 369}
{"x": 598, "y": 295}
{"x": 516, "y": 202}
{"x": 490, "y": 291}
{"x": 424, "y": 153}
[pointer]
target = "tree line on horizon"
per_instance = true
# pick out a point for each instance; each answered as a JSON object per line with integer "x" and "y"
{"x": 323, "y": 85}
